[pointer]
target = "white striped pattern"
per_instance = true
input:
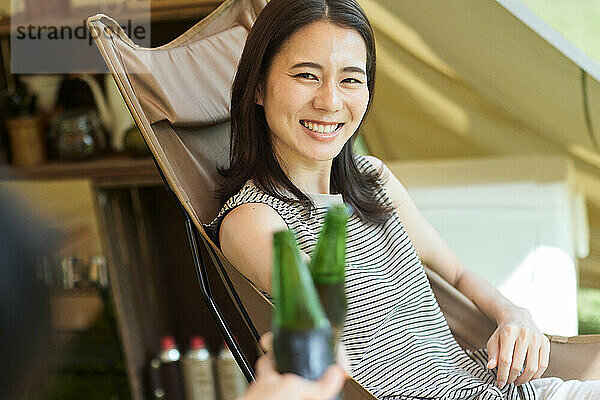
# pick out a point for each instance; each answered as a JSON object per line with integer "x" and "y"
{"x": 398, "y": 342}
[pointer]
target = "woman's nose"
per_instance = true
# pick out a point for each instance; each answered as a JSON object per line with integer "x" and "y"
{"x": 328, "y": 98}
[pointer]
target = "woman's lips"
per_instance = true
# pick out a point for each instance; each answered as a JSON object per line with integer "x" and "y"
{"x": 324, "y": 132}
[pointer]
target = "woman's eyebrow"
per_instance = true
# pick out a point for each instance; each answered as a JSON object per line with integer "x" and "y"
{"x": 308, "y": 64}
{"x": 354, "y": 69}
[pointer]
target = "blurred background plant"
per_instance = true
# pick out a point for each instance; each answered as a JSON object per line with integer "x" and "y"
{"x": 589, "y": 310}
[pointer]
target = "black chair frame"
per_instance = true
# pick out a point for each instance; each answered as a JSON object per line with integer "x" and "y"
{"x": 196, "y": 240}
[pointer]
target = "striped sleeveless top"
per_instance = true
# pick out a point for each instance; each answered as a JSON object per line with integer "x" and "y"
{"x": 397, "y": 340}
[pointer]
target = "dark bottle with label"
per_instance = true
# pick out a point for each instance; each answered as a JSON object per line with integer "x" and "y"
{"x": 157, "y": 391}
{"x": 301, "y": 331}
{"x": 170, "y": 373}
{"x": 327, "y": 267}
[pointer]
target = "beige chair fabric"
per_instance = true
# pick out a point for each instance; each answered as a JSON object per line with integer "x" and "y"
{"x": 183, "y": 115}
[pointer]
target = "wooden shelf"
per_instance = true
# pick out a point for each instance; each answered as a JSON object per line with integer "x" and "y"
{"x": 76, "y": 292}
{"x": 74, "y": 310}
{"x": 185, "y": 10}
{"x": 115, "y": 170}
{"x": 164, "y": 10}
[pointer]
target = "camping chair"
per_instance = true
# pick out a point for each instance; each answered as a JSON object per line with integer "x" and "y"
{"x": 178, "y": 94}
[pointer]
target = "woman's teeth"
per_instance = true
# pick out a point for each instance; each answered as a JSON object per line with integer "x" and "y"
{"x": 320, "y": 128}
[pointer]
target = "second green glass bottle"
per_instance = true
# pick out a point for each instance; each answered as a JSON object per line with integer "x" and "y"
{"x": 327, "y": 267}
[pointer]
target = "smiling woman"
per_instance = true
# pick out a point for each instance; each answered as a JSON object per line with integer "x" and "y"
{"x": 303, "y": 86}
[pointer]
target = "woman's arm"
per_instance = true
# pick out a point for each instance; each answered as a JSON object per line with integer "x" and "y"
{"x": 246, "y": 238}
{"x": 516, "y": 340}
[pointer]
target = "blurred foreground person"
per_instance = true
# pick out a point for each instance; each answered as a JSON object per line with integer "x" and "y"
{"x": 24, "y": 306}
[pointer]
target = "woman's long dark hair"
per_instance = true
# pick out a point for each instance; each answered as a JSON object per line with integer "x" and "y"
{"x": 251, "y": 151}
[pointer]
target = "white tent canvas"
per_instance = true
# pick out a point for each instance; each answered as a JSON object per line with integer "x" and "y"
{"x": 468, "y": 78}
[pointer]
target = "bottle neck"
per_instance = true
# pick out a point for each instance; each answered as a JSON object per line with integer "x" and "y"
{"x": 328, "y": 262}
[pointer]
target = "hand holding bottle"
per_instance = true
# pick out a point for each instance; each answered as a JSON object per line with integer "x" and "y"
{"x": 270, "y": 385}
{"x": 341, "y": 357}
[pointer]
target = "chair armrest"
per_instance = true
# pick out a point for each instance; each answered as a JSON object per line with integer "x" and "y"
{"x": 576, "y": 357}
{"x": 355, "y": 391}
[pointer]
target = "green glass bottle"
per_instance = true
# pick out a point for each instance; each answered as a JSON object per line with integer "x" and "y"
{"x": 301, "y": 331}
{"x": 327, "y": 267}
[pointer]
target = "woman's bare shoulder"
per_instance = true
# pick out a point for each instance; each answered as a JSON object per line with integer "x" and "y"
{"x": 376, "y": 162}
{"x": 257, "y": 216}
{"x": 392, "y": 184}
{"x": 246, "y": 236}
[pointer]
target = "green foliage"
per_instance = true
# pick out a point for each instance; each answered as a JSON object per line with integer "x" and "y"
{"x": 87, "y": 384}
{"x": 576, "y": 20}
{"x": 360, "y": 147}
{"x": 90, "y": 365}
{"x": 588, "y": 306}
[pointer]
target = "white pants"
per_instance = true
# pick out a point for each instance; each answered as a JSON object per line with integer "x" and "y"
{"x": 557, "y": 389}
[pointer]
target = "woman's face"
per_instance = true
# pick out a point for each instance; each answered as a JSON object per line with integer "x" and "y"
{"x": 315, "y": 94}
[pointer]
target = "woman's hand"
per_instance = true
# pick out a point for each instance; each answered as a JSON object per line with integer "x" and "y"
{"x": 515, "y": 344}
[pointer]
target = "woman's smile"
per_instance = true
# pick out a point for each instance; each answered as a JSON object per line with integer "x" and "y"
{"x": 322, "y": 131}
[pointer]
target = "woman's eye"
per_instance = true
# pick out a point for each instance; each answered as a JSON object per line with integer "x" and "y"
{"x": 306, "y": 75}
{"x": 352, "y": 81}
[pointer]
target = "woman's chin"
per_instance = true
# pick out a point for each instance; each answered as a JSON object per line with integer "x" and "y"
{"x": 318, "y": 153}
{"x": 323, "y": 151}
